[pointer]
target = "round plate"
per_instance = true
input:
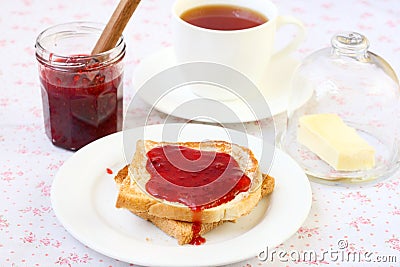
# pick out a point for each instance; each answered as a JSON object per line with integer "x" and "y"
{"x": 83, "y": 197}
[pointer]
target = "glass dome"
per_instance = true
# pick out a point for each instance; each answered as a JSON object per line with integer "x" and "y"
{"x": 347, "y": 87}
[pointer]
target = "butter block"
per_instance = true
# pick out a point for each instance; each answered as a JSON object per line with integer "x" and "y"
{"x": 335, "y": 142}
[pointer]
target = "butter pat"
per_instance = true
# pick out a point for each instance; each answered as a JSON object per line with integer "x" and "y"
{"x": 334, "y": 142}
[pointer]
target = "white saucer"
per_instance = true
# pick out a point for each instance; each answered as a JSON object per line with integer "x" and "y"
{"x": 278, "y": 80}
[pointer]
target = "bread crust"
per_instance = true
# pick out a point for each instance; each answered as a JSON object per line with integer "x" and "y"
{"x": 180, "y": 230}
{"x": 176, "y": 219}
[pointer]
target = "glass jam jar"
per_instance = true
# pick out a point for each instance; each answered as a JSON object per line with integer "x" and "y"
{"x": 81, "y": 93}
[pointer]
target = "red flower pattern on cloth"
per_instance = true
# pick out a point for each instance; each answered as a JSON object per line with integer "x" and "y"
{"x": 29, "y": 238}
{"x": 312, "y": 262}
{"x": 304, "y": 232}
{"x": 394, "y": 243}
{"x": 357, "y": 196}
{"x": 73, "y": 258}
{"x": 44, "y": 189}
{"x": 396, "y": 211}
{"x": 3, "y": 222}
{"x": 356, "y": 223}
{"x": 390, "y": 185}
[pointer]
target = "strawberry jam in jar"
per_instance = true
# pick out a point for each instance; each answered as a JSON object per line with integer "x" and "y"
{"x": 81, "y": 93}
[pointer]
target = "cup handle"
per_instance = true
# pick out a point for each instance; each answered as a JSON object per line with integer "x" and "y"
{"x": 298, "y": 39}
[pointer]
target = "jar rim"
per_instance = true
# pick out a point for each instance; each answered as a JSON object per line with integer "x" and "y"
{"x": 55, "y": 59}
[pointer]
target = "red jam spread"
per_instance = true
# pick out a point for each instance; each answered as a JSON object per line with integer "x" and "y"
{"x": 81, "y": 105}
{"x": 197, "y": 179}
{"x": 197, "y": 239}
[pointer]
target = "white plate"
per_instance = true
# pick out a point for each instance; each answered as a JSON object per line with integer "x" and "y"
{"x": 276, "y": 92}
{"x": 83, "y": 197}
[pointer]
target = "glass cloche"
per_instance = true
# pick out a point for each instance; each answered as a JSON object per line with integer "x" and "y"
{"x": 343, "y": 114}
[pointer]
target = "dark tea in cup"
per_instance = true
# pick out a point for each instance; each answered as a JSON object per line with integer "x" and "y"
{"x": 238, "y": 34}
{"x": 223, "y": 17}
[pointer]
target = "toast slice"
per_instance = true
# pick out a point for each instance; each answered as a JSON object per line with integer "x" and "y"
{"x": 180, "y": 230}
{"x": 134, "y": 199}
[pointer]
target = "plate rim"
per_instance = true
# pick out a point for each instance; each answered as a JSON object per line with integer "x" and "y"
{"x": 167, "y": 52}
{"x": 117, "y": 137}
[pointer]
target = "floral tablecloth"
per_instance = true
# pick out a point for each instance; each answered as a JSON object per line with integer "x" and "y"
{"x": 364, "y": 220}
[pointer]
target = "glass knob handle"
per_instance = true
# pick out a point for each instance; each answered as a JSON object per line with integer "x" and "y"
{"x": 351, "y": 44}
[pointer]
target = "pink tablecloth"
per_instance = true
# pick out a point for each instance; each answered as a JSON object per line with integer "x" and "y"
{"x": 363, "y": 219}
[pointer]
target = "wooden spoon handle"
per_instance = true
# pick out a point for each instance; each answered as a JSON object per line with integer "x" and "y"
{"x": 115, "y": 26}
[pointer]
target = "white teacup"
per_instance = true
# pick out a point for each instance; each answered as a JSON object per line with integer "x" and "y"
{"x": 248, "y": 50}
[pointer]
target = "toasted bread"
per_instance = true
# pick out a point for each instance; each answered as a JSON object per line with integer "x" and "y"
{"x": 180, "y": 230}
{"x": 133, "y": 198}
